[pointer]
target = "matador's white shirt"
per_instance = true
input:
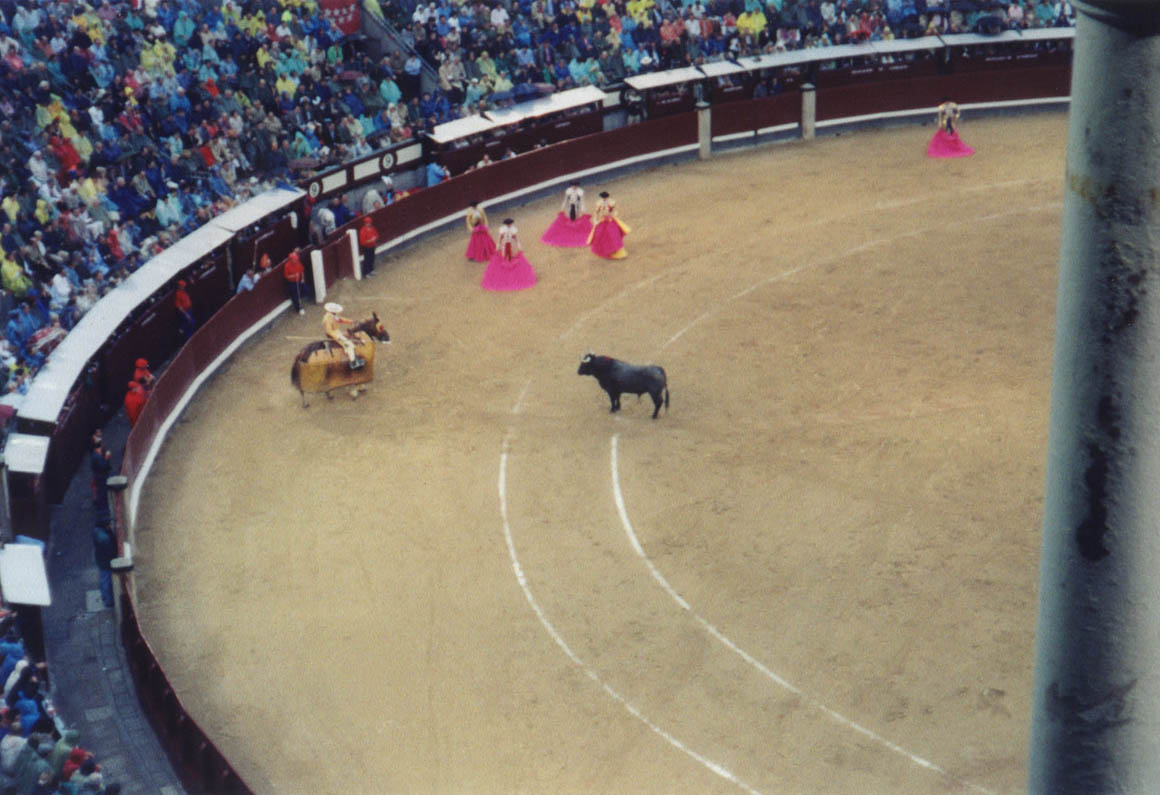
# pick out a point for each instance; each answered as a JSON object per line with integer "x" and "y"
{"x": 506, "y": 235}
{"x": 574, "y": 197}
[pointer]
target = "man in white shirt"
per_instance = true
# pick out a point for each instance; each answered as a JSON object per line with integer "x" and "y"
{"x": 59, "y": 290}
{"x": 324, "y": 222}
{"x": 500, "y": 18}
{"x": 38, "y": 167}
{"x": 247, "y": 282}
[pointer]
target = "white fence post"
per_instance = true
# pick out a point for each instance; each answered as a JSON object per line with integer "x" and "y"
{"x": 319, "y": 276}
{"x": 704, "y": 130}
{"x": 809, "y": 111}
{"x": 352, "y": 238}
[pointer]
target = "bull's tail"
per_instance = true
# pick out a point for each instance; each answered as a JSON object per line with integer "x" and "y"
{"x": 666, "y": 400}
{"x": 296, "y": 380}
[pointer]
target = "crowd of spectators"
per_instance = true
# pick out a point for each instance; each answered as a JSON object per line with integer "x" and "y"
{"x": 497, "y": 52}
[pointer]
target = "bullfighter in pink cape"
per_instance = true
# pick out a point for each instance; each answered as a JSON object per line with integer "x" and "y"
{"x": 946, "y": 141}
{"x": 607, "y": 236}
{"x": 508, "y": 269}
{"x": 572, "y": 225}
{"x": 480, "y": 247}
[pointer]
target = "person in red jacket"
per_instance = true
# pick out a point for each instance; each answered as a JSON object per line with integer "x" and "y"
{"x": 73, "y": 763}
{"x": 134, "y": 402}
{"x": 295, "y": 277}
{"x": 368, "y": 238}
{"x": 66, "y": 154}
{"x": 142, "y": 375}
{"x": 184, "y": 305}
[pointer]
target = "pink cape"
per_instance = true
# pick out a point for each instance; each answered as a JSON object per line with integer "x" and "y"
{"x": 481, "y": 246}
{"x": 945, "y": 144}
{"x": 568, "y": 233}
{"x": 608, "y": 239}
{"x": 507, "y": 275}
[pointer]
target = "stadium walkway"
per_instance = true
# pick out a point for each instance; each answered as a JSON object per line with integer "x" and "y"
{"x": 90, "y": 684}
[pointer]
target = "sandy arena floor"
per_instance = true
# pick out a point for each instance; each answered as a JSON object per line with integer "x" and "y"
{"x": 816, "y": 573}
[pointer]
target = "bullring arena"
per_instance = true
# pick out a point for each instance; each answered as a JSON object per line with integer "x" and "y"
{"x": 815, "y": 573}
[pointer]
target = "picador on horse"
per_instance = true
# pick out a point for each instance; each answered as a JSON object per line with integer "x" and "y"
{"x": 344, "y": 359}
{"x": 333, "y": 323}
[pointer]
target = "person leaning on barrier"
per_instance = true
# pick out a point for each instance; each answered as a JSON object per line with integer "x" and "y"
{"x": 371, "y": 200}
{"x": 247, "y": 282}
{"x": 436, "y": 173}
{"x": 323, "y": 224}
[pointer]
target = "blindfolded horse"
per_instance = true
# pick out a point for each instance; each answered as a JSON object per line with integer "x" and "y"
{"x": 323, "y": 367}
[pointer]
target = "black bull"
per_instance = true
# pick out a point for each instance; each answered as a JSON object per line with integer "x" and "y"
{"x": 617, "y": 377}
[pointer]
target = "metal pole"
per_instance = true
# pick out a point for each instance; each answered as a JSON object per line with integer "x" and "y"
{"x": 1096, "y": 714}
{"x": 809, "y": 111}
